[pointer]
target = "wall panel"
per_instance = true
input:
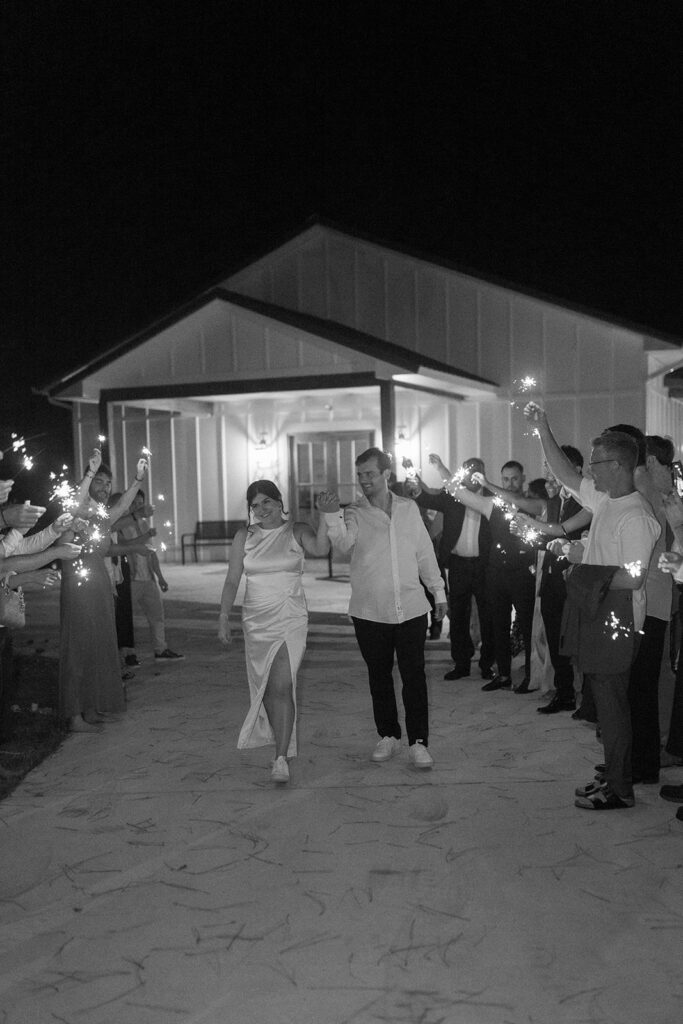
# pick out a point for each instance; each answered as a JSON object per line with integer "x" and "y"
{"x": 494, "y": 336}
{"x": 527, "y": 339}
{"x": 285, "y": 281}
{"x": 312, "y": 284}
{"x": 462, "y": 325}
{"x": 561, "y": 365}
{"x": 401, "y": 314}
{"x": 432, "y": 323}
{"x": 250, "y": 346}
{"x": 184, "y": 432}
{"x": 370, "y": 293}
{"x": 595, "y": 359}
{"x": 340, "y": 281}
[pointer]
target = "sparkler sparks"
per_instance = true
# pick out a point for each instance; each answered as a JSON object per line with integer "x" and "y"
{"x": 613, "y": 623}
{"x": 529, "y": 535}
{"x": 146, "y": 452}
{"x": 101, "y": 439}
{"x": 634, "y": 569}
{"x": 522, "y": 389}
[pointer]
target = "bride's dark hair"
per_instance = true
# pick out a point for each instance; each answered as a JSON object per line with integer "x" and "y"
{"x": 266, "y": 487}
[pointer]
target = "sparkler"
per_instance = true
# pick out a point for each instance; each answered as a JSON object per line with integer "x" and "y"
{"x": 614, "y": 624}
{"x": 529, "y": 535}
{"x": 523, "y": 388}
{"x": 146, "y": 452}
{"x": 634, "y": 569}
{"x": 101, "y": 439}
{"x": 457, "y": 480}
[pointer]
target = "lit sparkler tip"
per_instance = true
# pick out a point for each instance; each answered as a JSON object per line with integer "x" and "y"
{"x": 163, "y": 546}
{"x": 146, "y": 452}
{"x": 168, "y": 524}
{"x": 634, "y": 569}
{"x": 101, "y": 438}
{"x": 28, "y": 462}
{"x": 160, "y": 497}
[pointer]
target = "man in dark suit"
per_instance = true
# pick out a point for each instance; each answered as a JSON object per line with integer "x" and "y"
{"x": 463, "y": 553}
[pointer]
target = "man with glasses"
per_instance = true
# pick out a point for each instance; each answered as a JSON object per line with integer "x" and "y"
{"x": 391, "y": 552}
{"x": 621, "y": 539}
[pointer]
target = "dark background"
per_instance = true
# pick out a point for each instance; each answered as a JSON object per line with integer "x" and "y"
{"x": 149, "y": 147}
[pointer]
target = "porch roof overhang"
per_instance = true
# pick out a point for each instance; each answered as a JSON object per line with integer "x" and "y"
{"x": 404, "y": 366}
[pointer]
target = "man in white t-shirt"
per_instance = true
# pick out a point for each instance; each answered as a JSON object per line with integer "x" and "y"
{"x": 622, "y": 536}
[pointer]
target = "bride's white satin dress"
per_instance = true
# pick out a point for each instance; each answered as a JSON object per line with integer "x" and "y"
{"x": 274, "y": 612}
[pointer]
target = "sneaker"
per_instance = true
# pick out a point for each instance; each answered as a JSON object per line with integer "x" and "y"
{"x": 386, "y": 748}
{"x": 497, "y": 683}
{"x": 591, "y": 788}
{"x": 132, "y": 659}
{"x": 280, "y": 770}
{"x": 419, "y": 756}
{"x": 169, "y": 656}
{"x": 603, "y": 800}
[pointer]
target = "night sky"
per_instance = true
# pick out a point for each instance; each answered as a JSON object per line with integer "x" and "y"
{"x": 149, "y": 147}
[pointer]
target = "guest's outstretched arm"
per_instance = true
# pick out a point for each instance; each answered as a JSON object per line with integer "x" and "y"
{"x": 560, "y": 466}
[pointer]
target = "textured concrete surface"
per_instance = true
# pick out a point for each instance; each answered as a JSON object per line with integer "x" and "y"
{"x": 153, "y": 874}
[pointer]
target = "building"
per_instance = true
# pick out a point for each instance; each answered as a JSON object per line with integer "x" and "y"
{"x": 331, "y": 342}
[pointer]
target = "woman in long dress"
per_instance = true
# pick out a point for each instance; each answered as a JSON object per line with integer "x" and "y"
{"x": 90, "y": 682}
{"x": 270, "y": 552}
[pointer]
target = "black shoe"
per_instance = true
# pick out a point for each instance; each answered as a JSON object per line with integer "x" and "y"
{"x": 644, "y": 780}
{"x": 523, "y": 686}
{"x": 486, "y": 673}
{"x": 498, "y": 683}
{"x": 169, "y": 655}
{"x": 457, "y": 673}
{"x": 679, "y": 813}
{"x": 555, "y": 705}
{"x": 435, "y": 631}
{"x": 581, "y": 716}
{"x": 672, "y": 793}
{"x": 131, "y": 659}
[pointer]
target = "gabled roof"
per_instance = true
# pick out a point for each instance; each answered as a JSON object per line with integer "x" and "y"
{"x": 408, "y": 360}
{"x": 337, "y": 332}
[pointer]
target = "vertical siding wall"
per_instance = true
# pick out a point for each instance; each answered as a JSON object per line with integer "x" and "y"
{"x": 590, "y": 373}
{"x": 664, "y": 414}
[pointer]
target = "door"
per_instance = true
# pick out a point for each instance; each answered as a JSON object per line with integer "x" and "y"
{"x": 324, "y": 462}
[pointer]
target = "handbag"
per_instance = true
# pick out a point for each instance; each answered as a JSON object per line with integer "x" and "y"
{"x": 12, "y": 606}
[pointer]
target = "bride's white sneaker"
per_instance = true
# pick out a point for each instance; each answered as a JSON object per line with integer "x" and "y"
{"x": 280, "y": 770}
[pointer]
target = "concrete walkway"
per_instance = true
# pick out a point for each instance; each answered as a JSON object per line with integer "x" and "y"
{"x": 153, "y": 874}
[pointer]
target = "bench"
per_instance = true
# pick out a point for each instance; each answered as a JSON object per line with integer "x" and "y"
{"x": 209, "y": 531}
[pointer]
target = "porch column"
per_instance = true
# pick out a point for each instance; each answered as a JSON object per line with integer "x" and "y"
{"x": 387, "y": 406}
